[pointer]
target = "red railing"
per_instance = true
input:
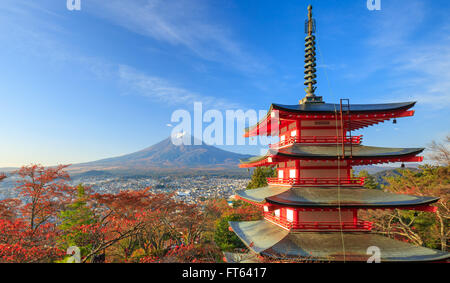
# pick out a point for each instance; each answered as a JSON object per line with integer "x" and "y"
{"x": 318, "y": 225}
{"x": 358, "y": 225}
{"x": 317, "y": 139}
{"x": 317, "y": 181}
{"x": 279, "y": 220}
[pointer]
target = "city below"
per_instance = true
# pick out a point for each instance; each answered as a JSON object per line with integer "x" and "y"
{"x": 187, "y": 189}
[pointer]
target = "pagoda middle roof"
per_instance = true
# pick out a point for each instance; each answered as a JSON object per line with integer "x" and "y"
{"x": 265, "y": 238}
{"x": 350, "y": 197}
{"x": 332, "y": 151}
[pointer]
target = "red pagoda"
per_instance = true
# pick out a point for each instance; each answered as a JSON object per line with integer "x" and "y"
{"x": 311, "y": 207}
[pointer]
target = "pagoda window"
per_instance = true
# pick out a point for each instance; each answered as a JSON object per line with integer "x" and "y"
{"x": 282, "y": 138}
{"x": 290, "y": 215}
{"x": 280, "y": 174}
{"x": 292, "y": 173}
{"x": 277, "y": 213}
{"x": 294, "y": 133}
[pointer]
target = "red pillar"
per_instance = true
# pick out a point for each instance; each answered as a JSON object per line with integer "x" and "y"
{"x": 295, "y": 218}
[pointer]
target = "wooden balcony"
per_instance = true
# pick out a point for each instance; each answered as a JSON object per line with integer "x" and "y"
{"x": 359, "y": 225}
{"x": 317, "y": 140}
{"x": 316, "y": 181}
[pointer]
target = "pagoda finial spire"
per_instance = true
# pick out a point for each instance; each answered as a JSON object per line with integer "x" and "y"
{"x": 310, "y": 61}
{"x": 310, "y": 21}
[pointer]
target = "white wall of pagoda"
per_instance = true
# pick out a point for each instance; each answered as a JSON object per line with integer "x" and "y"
{"x": 306, "y": 131}
{"x": 314, "y": 169}
{"x": 310, "y": 128}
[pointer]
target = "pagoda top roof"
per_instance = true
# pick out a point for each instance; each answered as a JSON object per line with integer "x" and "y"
{"x": 301, "y": 151}
{"x": 265, "y": 238}
{"x": 364, "y": 114}
{"x": 349, "y": 197}
{"x": 332, "y": 108}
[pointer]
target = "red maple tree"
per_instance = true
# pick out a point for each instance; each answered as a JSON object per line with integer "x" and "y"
{"x": 27, "y": 225}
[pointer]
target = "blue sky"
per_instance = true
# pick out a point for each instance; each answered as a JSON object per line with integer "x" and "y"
{"x": 82, "y": 85}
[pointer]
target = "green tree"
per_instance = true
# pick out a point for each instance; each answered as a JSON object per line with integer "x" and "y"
{"x": 429, "y": 181}
{"x": 259, "y": 177}
{"x": 370, "y": 181}
{"x": 77, "y": 215}
{"x": 223, "y": 237}
{"x": 420, "y": 228}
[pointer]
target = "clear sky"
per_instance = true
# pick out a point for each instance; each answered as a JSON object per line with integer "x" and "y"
{"x": 78, "y": 86}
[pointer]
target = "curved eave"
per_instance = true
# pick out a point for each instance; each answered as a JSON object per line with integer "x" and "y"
{"x": 327, "y": 197}
{"x": 348, "y": 198}
{"x": 265, "y": 238}
{"x": 263, "y": 126}
{"x": 254, "y": 161}
{"x": 331, "y": 151}
{"x": 259, "y": 195}
{"x": 359, "y": 152}
{"x": 266, "y": 120}
{"x": 241, "y": 257}
{"x": 354, "y": 108}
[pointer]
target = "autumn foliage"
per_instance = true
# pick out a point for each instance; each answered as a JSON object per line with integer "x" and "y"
{"x": 27, "y": 228}
{"x": 131, "y": 226}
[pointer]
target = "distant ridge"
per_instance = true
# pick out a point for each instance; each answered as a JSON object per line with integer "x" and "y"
{"x": 165, "y": 155}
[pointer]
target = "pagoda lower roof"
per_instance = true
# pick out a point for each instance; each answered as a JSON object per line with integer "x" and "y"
{"x": 265, "y": 238}
{"x": 300, "y": 151}
{"x": 241, "y": 257}
{"x": 321, "y": 197}
{"x": 364, "y": 114}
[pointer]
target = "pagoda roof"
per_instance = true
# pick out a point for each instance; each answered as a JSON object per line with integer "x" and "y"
{"x": 350, "y": 197}
{"x": 241, "y": 257}
{"x": 359, "y": 113}
{"x": 301, "y": 151}
{"x": 265, "y": 238}
{"x": 259, "y": 195}
{"x": 332, "y": 108}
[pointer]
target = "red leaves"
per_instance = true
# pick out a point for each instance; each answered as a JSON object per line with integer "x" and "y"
{"x": 28, "y": 231}
{"x": 16, "y": 253}
{"x": 18, "y": 243}
{"x": 130, "y": 226}
{"x": 190, "y": 253}
{"x": 149, "y": 259}
{"x": 46, "y": 191}
{"x": 8, "y": 208}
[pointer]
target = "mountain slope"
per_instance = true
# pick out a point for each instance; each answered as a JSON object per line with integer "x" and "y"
{"x": 167, "y": 155}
